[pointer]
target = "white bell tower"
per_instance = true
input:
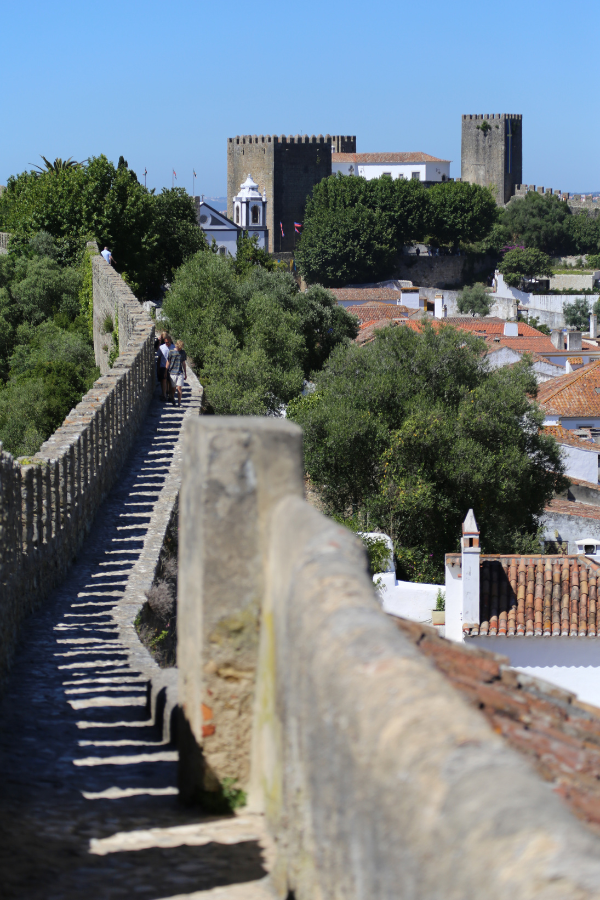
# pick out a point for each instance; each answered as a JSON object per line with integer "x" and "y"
{"x": 250, "y": 211}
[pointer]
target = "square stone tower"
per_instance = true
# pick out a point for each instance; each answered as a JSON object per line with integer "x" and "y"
{"x": 286, "y": 167}
{"x": 492, "y": 152}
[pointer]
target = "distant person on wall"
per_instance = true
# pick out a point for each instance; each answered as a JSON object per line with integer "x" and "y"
{"x": 163, "y": 357}
{"x": 177, "y": 368}
{"x": 158, "y": 342}
{"x": 108, "y": 256}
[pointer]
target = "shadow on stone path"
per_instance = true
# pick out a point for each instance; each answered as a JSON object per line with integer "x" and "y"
{"x": 88, "y": 804}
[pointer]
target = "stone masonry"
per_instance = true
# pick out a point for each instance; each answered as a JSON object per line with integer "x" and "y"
{"x": 287, "y": 167}
{"x": 492, "y": 152}
{"x": 48, "y": 503}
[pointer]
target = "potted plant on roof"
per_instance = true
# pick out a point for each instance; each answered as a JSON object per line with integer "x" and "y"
{"x": 438, "y": 615}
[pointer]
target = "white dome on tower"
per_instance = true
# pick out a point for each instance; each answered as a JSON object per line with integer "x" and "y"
{"x": 249, "y": 190}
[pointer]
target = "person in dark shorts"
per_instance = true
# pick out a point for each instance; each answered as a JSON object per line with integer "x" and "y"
{"x": 176, "y": 365}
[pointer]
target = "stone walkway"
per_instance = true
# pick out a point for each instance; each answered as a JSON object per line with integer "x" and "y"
{"x": 88, "y": 802}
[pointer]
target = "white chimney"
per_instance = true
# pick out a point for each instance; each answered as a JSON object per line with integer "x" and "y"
{"x": 511, "y": 329}
{"x": 573, "y": 340}
{"x": 470, "y": 570}
{"x": 593, "y": 326}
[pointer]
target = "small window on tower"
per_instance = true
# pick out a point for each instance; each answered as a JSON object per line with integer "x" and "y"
{"x": 255, "y": 215}
{"x": 237, "y": 215}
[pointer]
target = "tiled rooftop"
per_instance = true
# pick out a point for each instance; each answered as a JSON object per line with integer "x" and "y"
{"x": 491, "y": 325}
{"x": 536, "y": 596}
{"x": 362, "y": 295}
{"x": 559, "y": 734}
{"x": 367, "y": 331}
{"x": 566, "y": 436}
{"x": 575, "y": 507}
{"x": 385, "y": 158}
{"x": 576, "y": 394}
{"x": 375, "y": 313}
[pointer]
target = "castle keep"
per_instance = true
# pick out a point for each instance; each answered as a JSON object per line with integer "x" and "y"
{"x": 286, "y": 167}
{"x": 492, "y": 152}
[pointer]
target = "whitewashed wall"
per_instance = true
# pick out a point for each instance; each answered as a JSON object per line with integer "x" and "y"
{"x": 581, "y": 463}
{"x": 407, "y": 599}
{"x": 427, "y": 171}
{"x": 570, "y": 663}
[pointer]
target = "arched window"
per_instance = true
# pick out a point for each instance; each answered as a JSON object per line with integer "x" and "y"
{"x": 255, "y": 215}
{"x": 237, "y": 214}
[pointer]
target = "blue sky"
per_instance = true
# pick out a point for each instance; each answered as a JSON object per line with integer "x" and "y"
{"x": 165, "y": 84}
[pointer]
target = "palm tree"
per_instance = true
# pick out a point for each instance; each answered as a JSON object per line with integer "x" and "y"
{"x": 58, "y": 165}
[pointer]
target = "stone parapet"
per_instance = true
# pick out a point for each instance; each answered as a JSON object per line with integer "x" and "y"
{"x": 377, "y": 778}
{"x": 48, "y": 502}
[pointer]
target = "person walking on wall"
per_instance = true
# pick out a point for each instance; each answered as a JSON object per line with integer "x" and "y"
{"x": 108, "y": 256}
{"x": 163, "y": 358}
{"x": 177, "y": 368}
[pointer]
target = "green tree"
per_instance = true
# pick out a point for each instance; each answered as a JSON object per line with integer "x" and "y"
{"x": 149, "y": 235}
{"x": 577, "y": 313}
{"x": 474, "y": 300}
{"x": 461, "y": 212}
{"x": 178, "y": 234}
{"x": 343, "y": 246}
{"x": 539, "y": 326}
{"x": 413, "y": 429}
{"x": 539, "y": 221}
{"x": 253, "y": 336}
{"x": 58, "y": 165}
{"x": 520, "y": 265}
{"x": 584, "y": 233}
{"x": 353, "y": 228}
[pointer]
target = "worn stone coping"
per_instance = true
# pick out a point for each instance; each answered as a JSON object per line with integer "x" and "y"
{"x": 162, "y": 683}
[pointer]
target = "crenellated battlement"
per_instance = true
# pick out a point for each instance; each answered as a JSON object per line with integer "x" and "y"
{"x": 494, "y": 116}
{"x": 290, "y": 139}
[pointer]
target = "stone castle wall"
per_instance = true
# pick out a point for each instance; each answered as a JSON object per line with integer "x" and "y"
{"x": 485, "y": 152}
{"x": 48, "y": 502}
{"x": 577, "y": 205}
{"x": 443, "y": 271}
{"x": 287, "y": 167}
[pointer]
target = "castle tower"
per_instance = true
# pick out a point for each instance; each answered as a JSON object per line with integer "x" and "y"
{"x": 492, "y": 152}
{"x": 286, "y": 168}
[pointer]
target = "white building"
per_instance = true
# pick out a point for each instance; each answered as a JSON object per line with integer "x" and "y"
{"x": 538, "y": 611}
{"x": 249, "y": 212}
{"x": 418, "y": 166}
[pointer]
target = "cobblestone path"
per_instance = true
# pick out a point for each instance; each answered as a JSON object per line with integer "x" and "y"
{"x": 88, "y": 802}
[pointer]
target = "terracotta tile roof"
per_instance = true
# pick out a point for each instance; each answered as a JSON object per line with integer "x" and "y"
{"x": 367, "y": 332}
{"x": 375, "y": 313}
{"x": 529, "y": 343}
{"x": 565, "y": 436}
{"x": 559, "y": 734}
{"x": 535, "y": 596}
{"x": 575, "y": 507}
{"x": 385, "y": 158}
{"x": 575, "y": 394}
{"x": 492, "y": 325}
{"x": 589, "y": 484}
{"x": 362, "y": 295}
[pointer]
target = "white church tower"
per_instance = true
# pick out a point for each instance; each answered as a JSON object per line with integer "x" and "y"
{"x": 250, "y": 211}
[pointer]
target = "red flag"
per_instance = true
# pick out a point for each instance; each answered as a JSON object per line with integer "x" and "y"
{"x": 281, "y": 226}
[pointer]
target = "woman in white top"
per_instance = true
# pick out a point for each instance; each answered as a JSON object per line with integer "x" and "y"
{"x": 163, "y": 351}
